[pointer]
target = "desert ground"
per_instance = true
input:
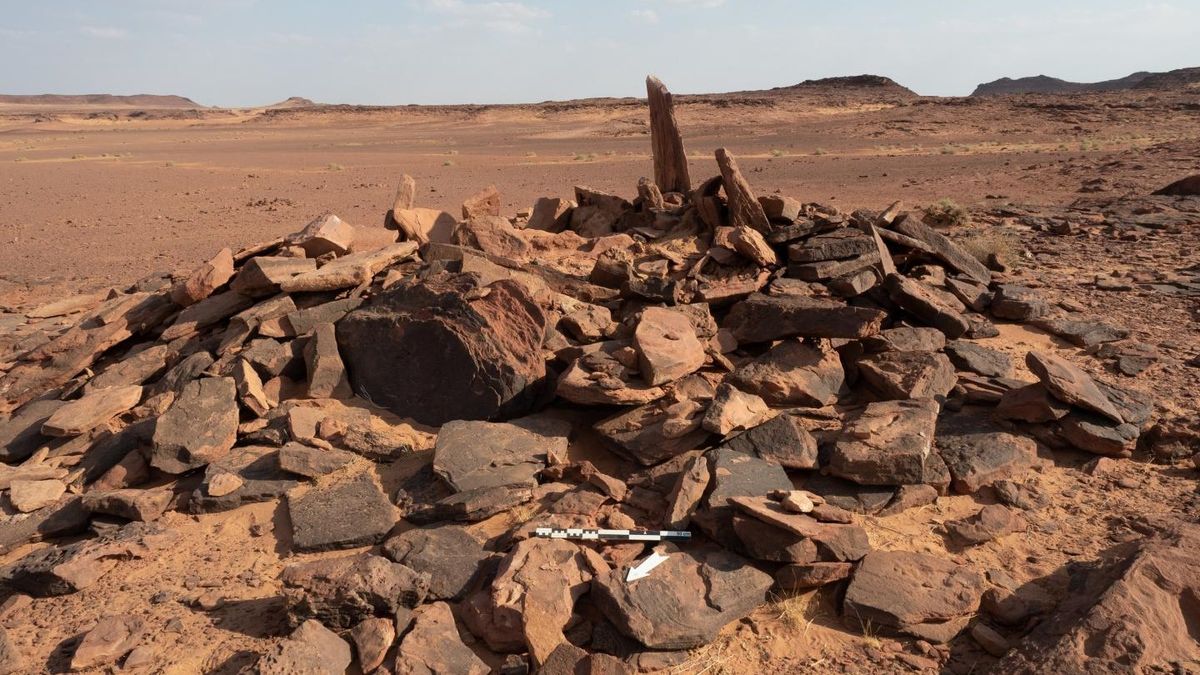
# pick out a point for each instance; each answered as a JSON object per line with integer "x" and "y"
{"x": 1055, "y": 188}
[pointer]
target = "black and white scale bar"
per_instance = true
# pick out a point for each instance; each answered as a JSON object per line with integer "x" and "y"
{"x": 617, "y": 535}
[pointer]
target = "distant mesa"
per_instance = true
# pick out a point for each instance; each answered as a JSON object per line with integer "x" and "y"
{"x": 1043, "y": 84}
{"x": 870, "y": 82}
{"x": 142, "y": 101}
{"x": 293, "y": 102}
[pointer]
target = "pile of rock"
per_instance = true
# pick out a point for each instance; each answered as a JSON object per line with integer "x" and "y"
{"x": 761, "y": 370}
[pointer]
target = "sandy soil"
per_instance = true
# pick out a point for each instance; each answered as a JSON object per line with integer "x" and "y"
{"x": 96, "y": 200}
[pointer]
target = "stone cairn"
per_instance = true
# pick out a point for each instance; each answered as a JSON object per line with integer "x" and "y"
{"x": 761, "y": 371}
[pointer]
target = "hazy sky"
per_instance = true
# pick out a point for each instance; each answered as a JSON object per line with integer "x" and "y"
{"x": 251, "y": 52}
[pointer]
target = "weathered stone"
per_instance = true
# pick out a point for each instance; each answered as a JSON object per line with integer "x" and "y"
{"x": 248, "y": 474}
{"x": 21, "y": 433}
{"x": 425, "y": 226}
{"x": 30, "y": 495}
{"x": 250, "y": 389}
{"x": 1098, "y": 435}
{"x": 11, "y": 659}
{"x": 341, "y": 592}
{"x": 1018, "y": 303}
{"x": 834, "y": 541}
{"x": 752, "y": 246}
{"x": 179, "y": 375}
{"x": 305, "y": 321}
{"x": 909, "y": 497}
{"x": 779, "y": 207}
{"x": 434, "y": 645}
{"x": 353, "y": 513}
{"x": 764, "y": 318}
{"x": 655, "y": 432}
{"x": 199, "y": 427}
{"x": 312, "y": 649}
{"x": 263, "y": 275}
{"x": 835, "y": 245}
{"x": 920, "y": 301}
{"x": 978, "y": 457}
{"x": 667, "y": 346}
{"x": 1031, "y": 403}
{"x": 686, "y": 493}
{"x": 550, "y": 214}
{"x": 61, "y": 570}
{"x": 970, "y": 356}
{"x": 827, "y": 270}
{"x": 444, "y": 349}
{"x": 349, "y": 271}
{"x": 735, "y": 474}
{"x": 1140, "y": 597}
{"x": 310, "y": 462}
{"x": 991, "y": 522}
{"x": 1083, "y": 333}
{"x": 942, "y": 247}
{"x": 685, "y": 602}
{"x": 890, "y": 443}
{"x": 486, "y": 202}
{"x": 670, "y": 158}
{"x": 733, "y": 410}
{"x": 781, "y": 439}
{"x": 326, "y": 372}
{"x": 804, "y": 576}
{"x": 773, "y": 544}
{"x": 204, "y": 280}
{"x": 744, "y": 209}
{"x": 907, "y": 375}
{"x": 84, "y": 414}
{"x": 134, "y": 368}
{"x": 906, "y": 339}
{"x": 475, "y": 505}
{"x": 471, "y": 455}
{"x": 324, "y": 235}
{"x": 131, "y": 504}
{"x": 589, "y": 323}
{"x": 107, "y": 642}
{"x": 373, "y": 638}
{"x": 914, "y": 593}
{"x": 793, "y": 373}
{"x": 449, "y": 554}
{"x": 1069, "y": 384}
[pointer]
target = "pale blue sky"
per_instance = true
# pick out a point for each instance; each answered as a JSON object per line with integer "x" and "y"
{"x": 251, "y": 52}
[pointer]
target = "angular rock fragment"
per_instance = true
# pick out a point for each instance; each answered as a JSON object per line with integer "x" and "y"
{"x": 373, "y": 638}
{"x": 733, "y": 410}
{"x": 782, "y": 440}
{"x": 744, "y": 209}
{"x": 434, "y": 645}
{"x": 326, "y": 372}
{"x": 913, "y": 593}
{"x": 475, "y": 505}
{"x": 326, "y": 234}
{"x": 486, "y": 202}
{"x": 310, "y": 462}
{"x": 906, "y": 339}
{"x": 991, "y": 522}
{"x": 686, "y": 493}
{"x": 131, "y": 504}
{"x": 21, "y": 433}
{"x": 311, "y": 648}
{"x": 685, "y": 601}
{"x": 804, "y": 576}
{"x": 199, "y": 427}
{"x": 655, "y": 432}
{"x": 449, "y": 554}
{"x": 349, "y": 271}
{"x": 977, "y": 359}
{"x": 550, "y": 214}
{"x": 133, "y": 369}
{"x": 263, "y": 275}
{"x": 424, "y": 226}
{"x": 1069, "y": 384}
{"x": 1083, "y": 333}
{"x": 735, "y": 474}
{"x": 905, "y": 375}
{"x": 471, "y": 455}
{"x": 1098, "y": 435}
{"x": 667, "y": 346}
{"x": 31, "y": 495}
{"x": 670, "y": 158}
{"x": 341, "y": 592}
{"x": 1018, "y": 303}
{"x": 793, "y": 373}
{"x": 1031, "y": 403}
{"x": 107, "y": 642}
{"x": 204, "y": 280}
{"x": 763, "y": 318}
{"x": 890, "y": 443}
{"x": 87, "y": 413}
{"x": 918, "y": 300}
{"x": 246, "y": 475}
{"x": 445, "y": 348}
{"x": 353, "y": 513}
{"x": 942, "y": 247}
{"x": 978, "y": 455}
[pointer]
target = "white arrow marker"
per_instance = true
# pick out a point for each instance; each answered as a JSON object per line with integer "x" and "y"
{"x": 642, "y": 569}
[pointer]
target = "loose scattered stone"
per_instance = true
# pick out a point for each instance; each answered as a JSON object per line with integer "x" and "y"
{"x": 87, "y": 413}
{"x": 311, "y": 648}
{"x": 433, "y": 645}
{"x": 198, "y": 428}
{"x": 781, "y": 439}
{"x": 372, "y": 639}
{"x": 909, "y": 375}
{"x": 111, "y": 639}
{"x": 667, "y": 346}
{"x": 471, "y": 455}
{"x": 449, "y": 554}
{"x": 802, "y": 577}
{"x": 31, "y": 495}
{"x": 353, "y": 513}
{"x": 1069, "y": 384}
{"x": 891, "y": 443}
{"x": 341, "y": 592}
{"x": 914, "y": 593}
{"x": 793, "y": 373}
{"x": 762, "y": 318}
{"x": 991, "y": 522}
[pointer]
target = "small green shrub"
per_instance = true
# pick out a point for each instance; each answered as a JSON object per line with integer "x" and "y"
{"x": 947, "y": 213}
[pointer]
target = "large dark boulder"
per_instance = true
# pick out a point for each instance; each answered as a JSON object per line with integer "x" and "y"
{"x": 446, "y": 348}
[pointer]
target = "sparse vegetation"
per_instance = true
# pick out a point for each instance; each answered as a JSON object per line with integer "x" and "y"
{"x": 776, "y": 152}
{"x": 447, "y": 163}
{"x": 992, "y": 243}
{"x": 948, "y": 149}
{"x": 947, "y": 213}
{"x": 1089, "y": 145}
{"x": 585, "y": 156}
{"x": 819, "y": 151}
{"x": 335, "y": 167}
{"x": 531, "y": 154}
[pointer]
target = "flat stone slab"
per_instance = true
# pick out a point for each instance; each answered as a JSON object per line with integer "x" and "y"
{"x": 353, "y": 513}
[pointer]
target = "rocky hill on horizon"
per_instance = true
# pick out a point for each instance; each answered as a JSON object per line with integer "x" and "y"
{"x": 1044, "y": 84}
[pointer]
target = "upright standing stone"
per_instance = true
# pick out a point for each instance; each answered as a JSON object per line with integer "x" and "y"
{"x": 744, "y": 208}
{"x": 670, "y": 159}
{"x": 406, "y": 194}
